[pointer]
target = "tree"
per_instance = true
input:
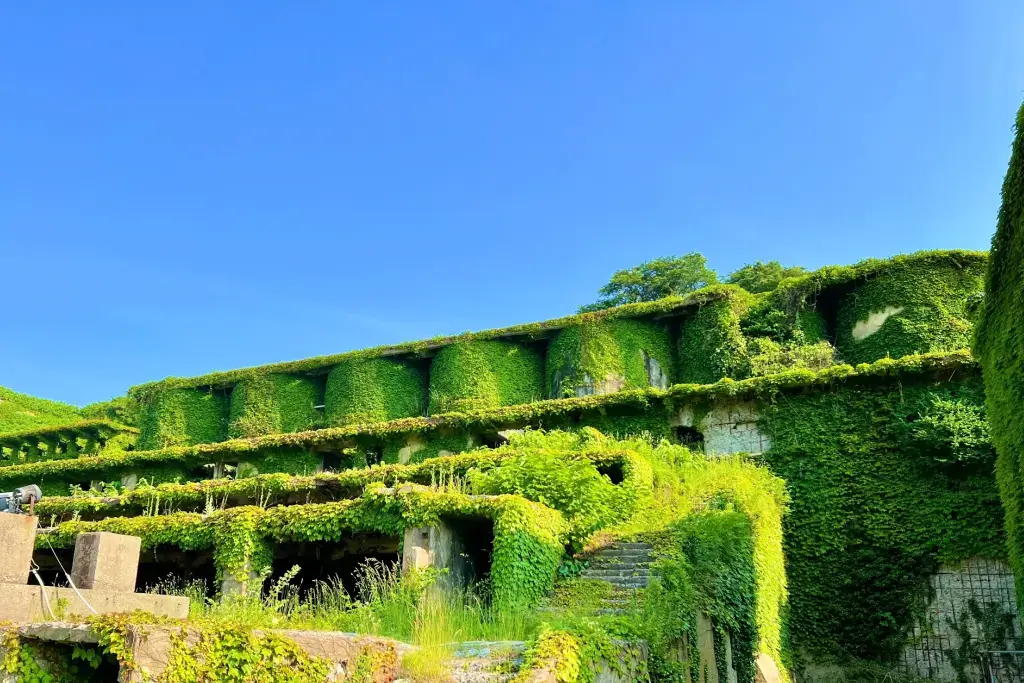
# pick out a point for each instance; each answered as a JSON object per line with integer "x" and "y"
{"x": 673, "y": 275}
{"x": 763, "y": 277}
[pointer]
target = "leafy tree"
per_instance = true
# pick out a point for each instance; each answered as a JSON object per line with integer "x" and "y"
{"x": 763, "y": 277}
{"x": 674, "y": 275}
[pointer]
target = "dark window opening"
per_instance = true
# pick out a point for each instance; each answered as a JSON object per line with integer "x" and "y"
{"x": 341, "y": 561}
{"x": 691, "y": 437}
{"x": 614, "y": 471}
{"x": 332, "y": 462}
{"x": 169, "y": 570}
{"x": 49, "y": 562}
{"x": 475, "y": 538}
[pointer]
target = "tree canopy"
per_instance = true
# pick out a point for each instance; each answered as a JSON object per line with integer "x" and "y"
{"x": 673, "y": 275}
{"x": 762, "y": 276}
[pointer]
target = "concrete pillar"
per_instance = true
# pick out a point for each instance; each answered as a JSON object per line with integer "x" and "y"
{"x": 17, "y": 541}
{"x": 105, "y": 561}
{"x": 438, "y": 547}
{"x": 233, "y": 586}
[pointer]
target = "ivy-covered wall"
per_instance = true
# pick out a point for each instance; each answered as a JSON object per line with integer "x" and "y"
{"x": 999, "y": 344}
{"x": 374, "y": 390}
{"x": 887, "y": 484}
{"x": 183, "y": 417}
{"x": 484, "y": 374}
{"x": 909, "y": 308}
{"x": 274, "y": 404}
{"x": 606, "y": 356}
{"x": 711, "y": 343}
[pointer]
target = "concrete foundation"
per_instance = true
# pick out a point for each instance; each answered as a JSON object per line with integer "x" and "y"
{"x": 17, "y": 541}
{"x": 107, "y": 562}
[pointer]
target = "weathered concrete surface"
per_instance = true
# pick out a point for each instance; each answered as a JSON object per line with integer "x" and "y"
{"x": 767, "y": 670}
{"x": 439, "y": 547}
{"x": 17, "y": 541}
{"x": 105, "y": 561}
{"x": 24, "y": 603}
{"x": 706, "y": 649}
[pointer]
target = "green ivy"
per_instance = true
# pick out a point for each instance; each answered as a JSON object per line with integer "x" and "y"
{"x": 183, "y": 417}
{"x": 363, "y": 391}
{"x": 611, "y": 353}
{"x": 20, "y": 412}
{"x": 273, "y": 404}
{"x": 998, "y": 345}
{"x": 929, "y": 305}
{"x": 485, "y": 374}
{"x": 887, "y": 483}
{"x": 711, "y": 344}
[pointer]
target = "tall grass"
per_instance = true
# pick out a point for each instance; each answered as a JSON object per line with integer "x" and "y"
{"x": 411, "y": 607}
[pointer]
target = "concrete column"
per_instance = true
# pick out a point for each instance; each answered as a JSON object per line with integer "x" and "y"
{"x": 233, "y": 586}
{"x": 17, "y": 541}
{"x": 438, "y": 547}
{"x": 105, "y": 561}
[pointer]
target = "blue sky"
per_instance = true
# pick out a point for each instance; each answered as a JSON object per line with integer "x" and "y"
{"x": 197, "y": 186}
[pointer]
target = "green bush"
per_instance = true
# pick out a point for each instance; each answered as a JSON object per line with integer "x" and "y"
{"x": 19, "y": 412}
{"x": 373, "y": 390}
{"x": 484, "y": 374}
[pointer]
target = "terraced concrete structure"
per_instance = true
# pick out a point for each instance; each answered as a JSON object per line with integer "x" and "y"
{"x": 851, "y": 384}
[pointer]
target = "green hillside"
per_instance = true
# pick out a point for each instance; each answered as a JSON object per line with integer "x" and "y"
{"x": 20, "y": 411}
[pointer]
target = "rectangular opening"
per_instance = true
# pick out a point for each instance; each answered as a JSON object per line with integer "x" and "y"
{"x": 66, "y": 661}
{"x": 168, "y": 570}
{"x": 474, "y": 537}
{"x": 333, "y": 561}
{"x": 49, "y": 562}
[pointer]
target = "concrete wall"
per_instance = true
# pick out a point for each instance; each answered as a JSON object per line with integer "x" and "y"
{"x": 729, "y": 427}
{"x": 987, "y": 582}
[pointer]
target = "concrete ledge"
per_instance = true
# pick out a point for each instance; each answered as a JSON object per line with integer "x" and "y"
{"x": 24, "y": 603}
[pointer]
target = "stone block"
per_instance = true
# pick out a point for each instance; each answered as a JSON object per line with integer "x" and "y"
{"x": 17, "y": 541}
{"x": 105, "y": 561}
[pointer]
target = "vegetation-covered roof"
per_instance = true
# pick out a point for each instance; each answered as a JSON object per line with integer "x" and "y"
{"x": 19, "y": 412}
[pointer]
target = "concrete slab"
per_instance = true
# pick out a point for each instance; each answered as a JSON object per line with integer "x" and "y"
{"x": 24, "y": 603}
{"x": 105, "y": 561}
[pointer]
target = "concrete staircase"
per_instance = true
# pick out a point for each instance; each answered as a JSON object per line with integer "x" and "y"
{"x": 627, "y": 567}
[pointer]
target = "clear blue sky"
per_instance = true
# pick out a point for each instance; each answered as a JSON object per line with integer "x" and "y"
{"x": 197, "y": 186}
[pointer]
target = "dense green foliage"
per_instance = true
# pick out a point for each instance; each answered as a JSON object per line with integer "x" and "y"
{"x": 273, "y": 404}
{"x": 373, "y": 390}
{"x": 762, "y": 276}
{"x": 887, "y": 483}
{"x": 485, "y": 374}
{"x": 928, "y": 306}
{"x": 999, "y": 344}
{"x": 607, "y": 356}
{"x": 711, "y": 344}
{"x": 652, "y": 280}
{"x": 183, "y": 417}
{"x": 19, "y": 412}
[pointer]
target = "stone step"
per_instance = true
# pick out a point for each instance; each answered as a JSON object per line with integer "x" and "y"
{"x": 610, "y": 573}
{"x": 622, "y": 556}
{"x": 620, "y": 545}
{"x": 624, "y": 582}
